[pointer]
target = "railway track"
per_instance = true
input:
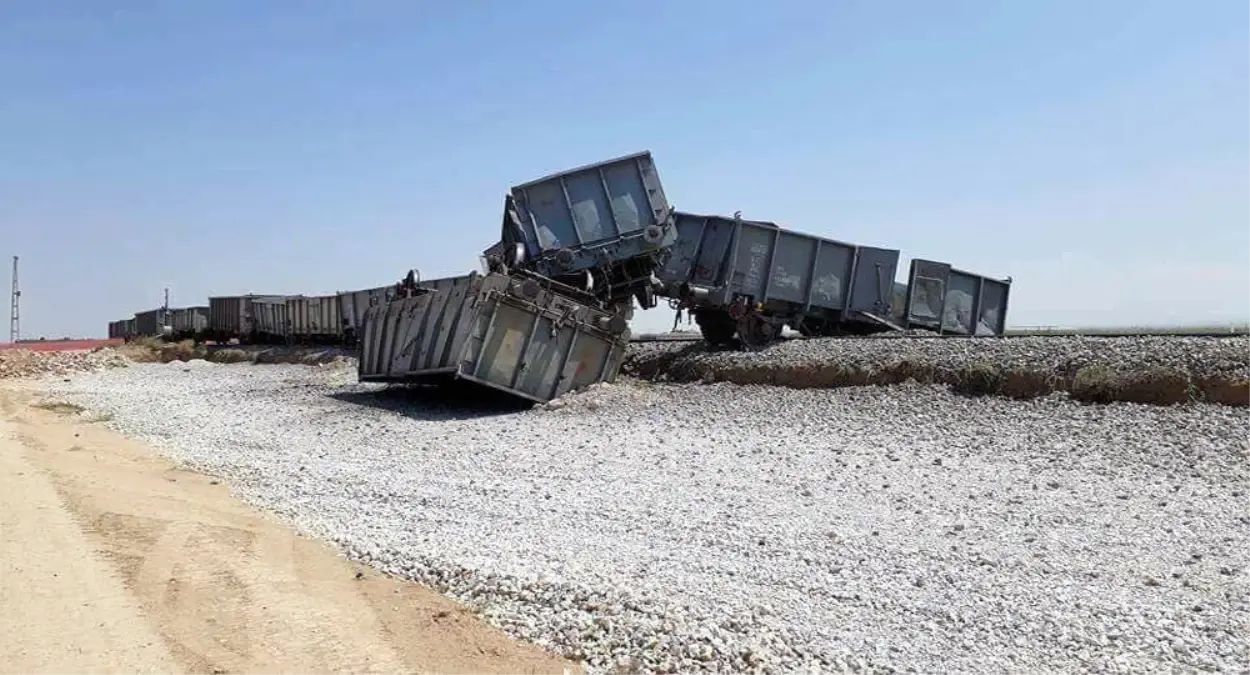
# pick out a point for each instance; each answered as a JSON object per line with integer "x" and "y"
{"x": 695, "y": 337}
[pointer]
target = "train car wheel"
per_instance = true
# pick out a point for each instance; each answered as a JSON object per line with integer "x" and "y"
{"x": 717, "y": 328}
{"x": 756, "y": 331}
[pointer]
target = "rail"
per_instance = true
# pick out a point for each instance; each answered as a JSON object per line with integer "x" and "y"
{"x": 1047, "y": 331}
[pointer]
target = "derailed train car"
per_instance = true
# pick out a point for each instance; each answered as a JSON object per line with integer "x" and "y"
{"x": 519, "y": 333}
{"x": 747, "y": 279}
{"x": 603, "y": 227}
{"x": 951, "y": 301}
{"x": 354, "y": 304}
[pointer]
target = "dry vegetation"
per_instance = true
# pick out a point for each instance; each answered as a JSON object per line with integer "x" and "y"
{"x": 1093, "y": 383}
{"x": 151, "y": 350}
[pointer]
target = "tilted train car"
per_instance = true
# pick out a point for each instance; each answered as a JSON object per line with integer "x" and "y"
{"x": 749, "y": 278}
{"x": 518, "y": 333}
{"x": 352, "y": 307}
{"x": 603, "y": 227}
{"x": 951, "y": 301}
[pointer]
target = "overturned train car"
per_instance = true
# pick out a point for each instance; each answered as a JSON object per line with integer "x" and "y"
{"x": 519, "y": 333}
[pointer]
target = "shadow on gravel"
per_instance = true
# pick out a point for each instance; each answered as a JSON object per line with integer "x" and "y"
{"x": 457, "y": 401}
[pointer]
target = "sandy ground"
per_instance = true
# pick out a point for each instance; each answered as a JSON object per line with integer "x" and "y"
{"x": 114, "y": 560}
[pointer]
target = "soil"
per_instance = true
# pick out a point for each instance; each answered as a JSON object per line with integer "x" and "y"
{"x": 112, "y": 559}
{"x": 58, "y": 345}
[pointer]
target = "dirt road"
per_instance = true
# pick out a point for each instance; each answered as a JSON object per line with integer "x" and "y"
{"x": 114, "y": 560}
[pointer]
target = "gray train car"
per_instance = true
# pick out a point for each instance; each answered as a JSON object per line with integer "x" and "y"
{"x": 314, "y": 319}
{"x": 521, "y": 334}
{"x": 118, "y": 329}
{"x": 152, "y": 323}
{"x": 951, "y": 301}
{"x": 748, "y": 278}
{"x": 270, "y": 321}
{"x": 230, "y": 317}
{"x": 352, "y": 307}
{"x": 188, "y": 323}
{"x": 603, "y": 225}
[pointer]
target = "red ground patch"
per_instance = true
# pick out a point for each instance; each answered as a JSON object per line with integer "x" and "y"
{"x": 57, "y": 345}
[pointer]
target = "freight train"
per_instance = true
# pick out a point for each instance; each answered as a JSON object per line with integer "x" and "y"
{"x": 577, "y": 252}
{"x": 260, "y": 319}
{"x": 742, "y": 279}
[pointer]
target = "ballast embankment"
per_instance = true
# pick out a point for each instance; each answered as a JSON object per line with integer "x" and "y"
{"x": 1151, "y": 370}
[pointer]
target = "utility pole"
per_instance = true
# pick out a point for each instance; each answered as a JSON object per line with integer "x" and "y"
{"x": 15, "y": 322}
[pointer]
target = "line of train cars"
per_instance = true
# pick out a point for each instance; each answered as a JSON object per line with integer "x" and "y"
{"x": 260, "y": 319}
{"x": 578, "y": 250}
{"x": 609, "y": 230}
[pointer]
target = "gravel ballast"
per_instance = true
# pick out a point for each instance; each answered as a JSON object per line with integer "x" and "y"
{"x": 737, "y": 528}
{"x": 1157, "y": 370}
{"x": 24, "y": 363}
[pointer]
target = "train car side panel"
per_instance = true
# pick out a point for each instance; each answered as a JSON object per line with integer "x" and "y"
{"x": 499, "y": 331}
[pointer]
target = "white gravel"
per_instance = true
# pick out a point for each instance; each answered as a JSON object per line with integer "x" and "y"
{"x": 1062, "y": 355}
{"x": 729, "y": 528}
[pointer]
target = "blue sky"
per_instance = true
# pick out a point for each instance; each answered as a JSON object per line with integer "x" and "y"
{"x": 1097, "y": 152}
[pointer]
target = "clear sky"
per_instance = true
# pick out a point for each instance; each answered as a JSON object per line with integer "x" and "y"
{"x": 1097, "y": 152}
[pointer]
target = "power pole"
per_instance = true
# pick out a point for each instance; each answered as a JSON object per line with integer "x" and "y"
{"x": 15, "y": 322}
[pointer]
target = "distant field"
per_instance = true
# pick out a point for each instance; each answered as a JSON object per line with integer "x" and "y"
{"x": 57, "y": 345}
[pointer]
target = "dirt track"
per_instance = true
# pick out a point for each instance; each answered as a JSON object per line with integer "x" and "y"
{"x": 114, "y": 560}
